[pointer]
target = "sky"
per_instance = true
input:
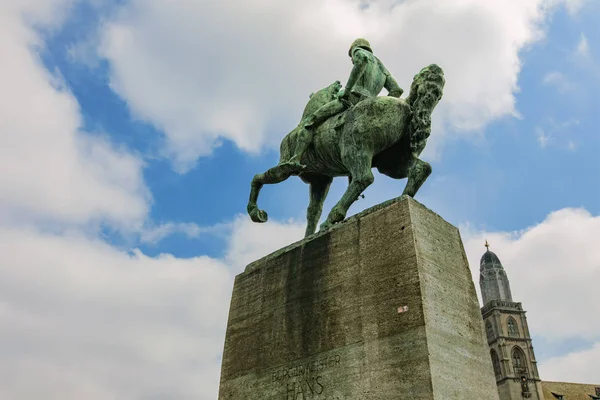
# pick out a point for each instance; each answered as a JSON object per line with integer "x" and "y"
{"x": 131, "y": 130}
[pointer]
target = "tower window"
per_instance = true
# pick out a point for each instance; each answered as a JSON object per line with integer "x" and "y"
{"x": 519, "y": 361}
{"x": 513, "y": 329}
{"x": 558, "y": 396}
{"x": 496, "y": 364}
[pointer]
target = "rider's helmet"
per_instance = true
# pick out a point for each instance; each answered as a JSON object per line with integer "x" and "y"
{"x": 362, "y": 43}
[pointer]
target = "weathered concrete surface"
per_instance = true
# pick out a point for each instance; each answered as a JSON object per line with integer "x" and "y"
{"x": 319, "y": 319}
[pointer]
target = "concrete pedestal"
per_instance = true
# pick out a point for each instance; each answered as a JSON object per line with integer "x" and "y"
{"x": 380, "y": 307}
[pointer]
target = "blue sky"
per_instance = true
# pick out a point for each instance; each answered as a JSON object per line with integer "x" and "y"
{"x": 133, "y": 131}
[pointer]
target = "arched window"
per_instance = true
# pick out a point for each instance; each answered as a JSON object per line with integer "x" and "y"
{"x": 489, "y": 329}
{"x": 519, "y": 361}
{"x": 513, "y": 329}
{"x": 496, "y": 363}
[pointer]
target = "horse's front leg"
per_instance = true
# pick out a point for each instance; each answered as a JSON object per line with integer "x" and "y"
{"x": 361, "y": 178}
{"x": 319, "y": 187}
{"x": 418, "y": 173}
{"x": 276, "y": 174}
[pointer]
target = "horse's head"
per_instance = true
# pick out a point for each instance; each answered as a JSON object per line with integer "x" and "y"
{"x": 425, "y": 93}
{"x": 321, "y": 97}
{"x": 428, "y": 85}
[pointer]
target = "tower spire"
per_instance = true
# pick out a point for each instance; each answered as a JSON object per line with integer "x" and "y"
{"x": 492, "y": 279}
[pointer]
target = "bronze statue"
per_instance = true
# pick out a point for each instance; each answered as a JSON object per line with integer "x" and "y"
{"x": 525, "y": 387}
{"x": 347, "y": 132}
{"x": 367, "y": 78}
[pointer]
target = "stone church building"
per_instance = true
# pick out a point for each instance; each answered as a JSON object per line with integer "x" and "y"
{"x": 511, "y": 348}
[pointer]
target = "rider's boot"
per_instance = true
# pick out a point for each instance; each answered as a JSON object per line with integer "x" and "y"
{"x": 307, "y": 129}
{"x": 304, "y": 140}
{"x": 305, "y": 136}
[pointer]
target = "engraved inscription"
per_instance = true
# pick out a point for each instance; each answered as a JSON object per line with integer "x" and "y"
{"x": 307, "y": 368}
{"x": 305, "y": 388}
{"x": 304, "y": 381}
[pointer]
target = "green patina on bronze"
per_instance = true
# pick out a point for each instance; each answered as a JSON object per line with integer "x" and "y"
{"x": 348, "y": 131}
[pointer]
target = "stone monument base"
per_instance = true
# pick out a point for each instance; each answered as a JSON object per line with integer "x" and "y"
{"x": 380, "y": 307}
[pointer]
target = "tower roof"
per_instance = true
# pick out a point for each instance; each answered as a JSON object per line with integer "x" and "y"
{"x": 489, "y": 259}
{"x": 492, "y": 278}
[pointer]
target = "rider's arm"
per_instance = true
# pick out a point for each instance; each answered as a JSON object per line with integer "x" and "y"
{"x": 391, "y": 85}
{"x": 359, "y": 59}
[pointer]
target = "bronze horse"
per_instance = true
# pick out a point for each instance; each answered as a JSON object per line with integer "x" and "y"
{"x": 386, "y": 133}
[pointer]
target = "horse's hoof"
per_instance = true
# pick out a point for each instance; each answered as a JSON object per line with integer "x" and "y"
{"x": 259, "y": 216}
{"x": 336, "y": 216}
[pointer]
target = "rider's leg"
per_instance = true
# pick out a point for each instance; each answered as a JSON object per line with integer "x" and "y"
{"x": 306, "y": 133}
{"x": 305, "y": 136}
{"x": 325, "y": 111}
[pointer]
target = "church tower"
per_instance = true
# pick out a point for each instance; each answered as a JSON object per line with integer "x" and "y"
{"x": 507, "y": 332}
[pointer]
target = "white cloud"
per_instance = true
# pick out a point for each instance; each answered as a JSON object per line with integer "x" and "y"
{"x": 82, "y": 52}
{"x": 558, "y": 80}
{"x": 583, "y": 48}
{"x": 203, "y": 70}
{"x": 250, "y": 241}
{"x": 542, "y": 137}
{"x": 155, "y": 234}
{"x": 53, "y": 170}
{"x": 551, "y": 131}
{"x": 579, "y": 366}
{"x": 553, "y": 268}
{"x": 574, "y": 6}
{"x": 80, "y": 319}
{"x": 246, "y": 239}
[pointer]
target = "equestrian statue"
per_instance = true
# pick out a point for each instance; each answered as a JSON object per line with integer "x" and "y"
{"x": 348, "y": 131}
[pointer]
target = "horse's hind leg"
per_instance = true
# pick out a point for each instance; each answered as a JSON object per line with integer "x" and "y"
{"x": 319, "y": 187}
{"x": 361, "y": 178}
{"x": 418, "y": 173}
{"x": 273, "y": 175}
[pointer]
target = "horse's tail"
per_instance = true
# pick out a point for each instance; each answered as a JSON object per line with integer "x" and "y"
{"x": 425, "y": 92}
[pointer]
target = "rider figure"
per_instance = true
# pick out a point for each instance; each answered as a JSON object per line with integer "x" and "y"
{"x": 367, "y": 78}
